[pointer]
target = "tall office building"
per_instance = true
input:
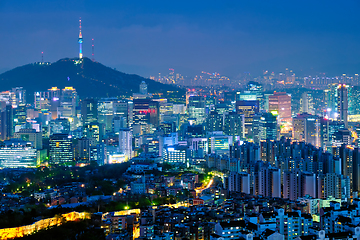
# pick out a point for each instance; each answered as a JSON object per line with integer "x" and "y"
{"x": 125, "y": 142}
{"x": 68, "y": 103}
{"x": 307, "y": 103}
{"x": 154, "y": 113}
{"x": 306, "y": 128}
{"x": 354, "y": 100}
{"x": 89, "y": 111}
{"x": 20, "y": 114}
{"x": 356, "y": 170}
{"x": 118, "y": 123}
{"x": 280, "y": 103}
{"x": 143, "y": 91}
{"x": 257, "y": 88}
{"x": 256, "y": 127}
{"x": 267, "y": 127}
{"x": 7, "y": 126}
{"x": 234, "y": 125}
{"x": 143, "y": 88}
{"x": 84, "y": 150}
{"x": 341, "y": 137}
{"x": 214, "y": 122}
{"x": 94, "y": 130}
{"x": 124, "y": 108}
{"x": 248, "y": 109}
{"x": 325, "y": 140}
{"x": 196, "y": 108}
{"x": 140, "y": 111}
{"x": 19, "y": 96}
{"x": 105, "y": 108}
{"x": 331, "y": 99}
{"x": 168, "y": 127}
{"x": 59, "y": 125}
{"x": 61, "y": 149}
{"x": 6, "y": 121}
{"x": 342, "y": 103}
{"x": 54, "y": 101}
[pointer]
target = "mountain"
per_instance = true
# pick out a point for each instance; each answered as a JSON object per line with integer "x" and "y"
{"x": 90, "y": 79}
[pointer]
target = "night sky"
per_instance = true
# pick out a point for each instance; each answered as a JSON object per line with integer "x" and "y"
{"x": 147, "y": 37}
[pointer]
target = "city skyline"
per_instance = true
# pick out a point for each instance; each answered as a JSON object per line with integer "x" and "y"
{"x": 245, "y": 125}
{"x": 146, "y": 38}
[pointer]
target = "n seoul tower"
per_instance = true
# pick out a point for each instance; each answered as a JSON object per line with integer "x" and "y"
{"x": 80, "y": 40}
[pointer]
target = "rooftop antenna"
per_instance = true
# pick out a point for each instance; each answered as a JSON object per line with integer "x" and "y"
{"x": 92, "y": 48}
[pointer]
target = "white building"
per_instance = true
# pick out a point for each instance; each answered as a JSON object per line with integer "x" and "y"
{"x": 16, "y": 154}
{"x": 175, "y": 154}
{"x": 125, "y": 142}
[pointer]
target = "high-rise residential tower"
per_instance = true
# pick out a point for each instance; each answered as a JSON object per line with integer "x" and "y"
{"x": 342, "y": 103}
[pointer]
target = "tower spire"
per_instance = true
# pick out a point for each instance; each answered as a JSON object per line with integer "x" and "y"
{"x": 92, "y": 48}
{"x": 80, "y": 40}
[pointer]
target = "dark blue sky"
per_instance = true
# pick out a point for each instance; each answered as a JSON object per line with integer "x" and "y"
{"x": 145, "y": 37}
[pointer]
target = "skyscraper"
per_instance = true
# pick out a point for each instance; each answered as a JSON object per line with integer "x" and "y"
{"x": 324, "y": 133}
{"x": 60, "y": 149}
{"x": 143, "y": 88}
{"x": 234, "y": 125}
{"x": 68, "y": 103}
{"x": 248, "y": 109}
{"x": 342, "y": 103}
{"x": 125, "y": 142}
{"x": 214, "y": 122}
{"x": 105, "y": 108}
{"x": 123, "y": 108}
{"x": 307, "y": 105}
{"x": 140, "y": 111}
{"x": 354, "y": 101}
{"x": 267, "y": 127}
{"x": 89, "y": 110}
{"x": 6, "y": 121}
{"x": 307, "y": 128}
{"x": 196, "y": 108}
{"x": 280, "y": 102}
{"x": 154, "y": 113}
{"x": 331, "y": 99}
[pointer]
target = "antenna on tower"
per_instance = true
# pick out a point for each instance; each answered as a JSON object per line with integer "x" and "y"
{"x": 80, "y": 40}
{"x": 92, "y": 48}
{"x": 42, "y": 57}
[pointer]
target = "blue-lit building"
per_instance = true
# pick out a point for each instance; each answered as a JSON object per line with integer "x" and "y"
{"x": 17, "y": 153}
{"x": 61, "y": 149}
{"x": 248, "y": 109}
{"x": 268, "y": 127}
{"x": 175, "y": 154}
